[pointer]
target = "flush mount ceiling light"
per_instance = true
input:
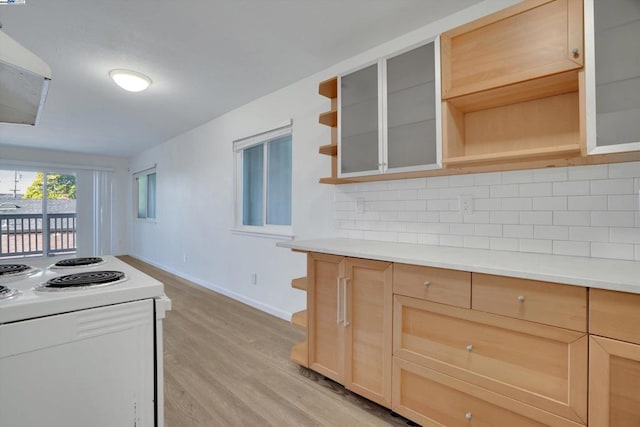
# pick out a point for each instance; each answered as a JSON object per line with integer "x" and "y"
{"x": 130, "y": 80}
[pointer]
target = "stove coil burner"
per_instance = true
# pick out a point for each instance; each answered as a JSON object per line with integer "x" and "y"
{"x": 83, "y": 280}
{"x": 6, "y": 292}
{"x": 79, "y": 262}
{"x": 11, "y": 269}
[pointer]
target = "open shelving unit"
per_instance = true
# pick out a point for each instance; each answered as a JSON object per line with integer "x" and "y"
{"x": 329, "y": 89}
{"x": 300, "y": 351}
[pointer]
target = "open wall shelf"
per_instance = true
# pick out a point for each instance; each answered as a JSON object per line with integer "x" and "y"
{"x": 329, "y": 89}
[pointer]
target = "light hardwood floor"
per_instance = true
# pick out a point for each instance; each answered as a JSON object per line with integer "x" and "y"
{"x": 227, "y": 364}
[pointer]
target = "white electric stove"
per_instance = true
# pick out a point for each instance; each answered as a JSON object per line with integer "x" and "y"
{"x": 80, "y": 343}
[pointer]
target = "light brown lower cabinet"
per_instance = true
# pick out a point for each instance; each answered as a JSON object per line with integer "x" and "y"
{"x": 447, "y": 348}
{"x": 539, "y": 365}
{"x": 614, "y": 383}
{"x": 349, "y": 303}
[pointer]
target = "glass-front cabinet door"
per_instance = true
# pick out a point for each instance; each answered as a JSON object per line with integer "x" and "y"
{"x": 412, "y": 128}
{"x": 613, "y": 75}
{"x": 359, "y": 123}
{"x": 389, "y": 120}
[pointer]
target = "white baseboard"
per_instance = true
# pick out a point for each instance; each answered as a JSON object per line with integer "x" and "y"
{"x": 221, "y": 290}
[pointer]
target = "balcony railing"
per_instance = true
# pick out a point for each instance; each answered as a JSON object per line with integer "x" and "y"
{"x": 23, "y": 234}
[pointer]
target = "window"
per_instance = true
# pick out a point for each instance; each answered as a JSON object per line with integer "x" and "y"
{"x": 145, "y": 194}
{"x": 263, "y": 182}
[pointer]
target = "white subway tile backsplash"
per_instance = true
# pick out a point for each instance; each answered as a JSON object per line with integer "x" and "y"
{"x": 612, "y": 250}
{"x": 516, "y": 177}
{"x": 588, "y": 172}
{"x": 487, "y": 204}
{"x": 438, "y": 182}
{"x": 571, "y": 188}
{"x": 587, "y": 203}
{"x": 429, "y": 193}
{"x": 490, "y": 178}
{"x": 551, "y": 232}
{"x": 517, "y": 231}
{"x": 502, "y": 217}
{"x": 540, "y": 218}
{"x": 490, "y": 230}
{"x": 538, "y": 246}
{"x": 624, "y": 170}
{"x": 476, "y": 218}
{"x": 504, "y": 190}
{"x": 589, "y": 234}
{"x": 428, "y": 216}
{"x": 612, "y": 219}
{"x": 451, "y": 240}
{"x": 477, "y": 242}
{"x": 623, "y": 203}
{"x": 567, "y": 247}
{"x": 408, "y": 238}
{"x": 571, "y": 218}
{"x": 624, "y": 235}
{"x": 438, "y": 205}
{"x": 580, "y": 211}
{"x": 438, "y": 228}
{"x": 460, "y": 180}
{"x": 517, "y": 204}
{"x": 550, "y": 175}
{"x": 462, "y": 229}
{"x": 502, "y": 244}
{"x": 537, "y": 189}
{"x": 612, "y": 186}
{"x": 428, "y": 239}
{"x": 556, "y": 203}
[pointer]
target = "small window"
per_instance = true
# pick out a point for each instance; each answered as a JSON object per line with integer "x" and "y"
{"x": 145, "y": 194}
{"x": 263, "y": 182}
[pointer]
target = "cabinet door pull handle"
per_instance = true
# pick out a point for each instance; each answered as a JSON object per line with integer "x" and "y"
{"x": 426, "y": 283}
{"x": 345, "y": 303}
{"x": 575, "y": 52}
{"x": 338, "y": 300}
{"x": 469, "y": 347}
{"x": 468, "y": 416}
{"x": 521, "y": 298}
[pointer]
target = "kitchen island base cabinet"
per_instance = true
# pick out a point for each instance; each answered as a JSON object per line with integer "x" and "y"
{"x": 349, "y": 305}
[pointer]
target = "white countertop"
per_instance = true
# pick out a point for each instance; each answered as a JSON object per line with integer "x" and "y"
{"x": 599, "y": 273}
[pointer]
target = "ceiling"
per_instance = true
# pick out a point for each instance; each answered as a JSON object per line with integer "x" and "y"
{"x": 206, "y": 57}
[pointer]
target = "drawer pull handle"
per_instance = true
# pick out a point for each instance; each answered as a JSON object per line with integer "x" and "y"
{"x": 521, "y": 298}
{"x": 469, "y": 347}
{"x": 426, "y": 283}
{"x": 468, "y": 416}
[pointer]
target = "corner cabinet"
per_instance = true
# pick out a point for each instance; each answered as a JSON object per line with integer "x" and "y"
{"x": 349, "y": 323}
{"x": 388, "y": 120}
{"x": 613, "y": 75}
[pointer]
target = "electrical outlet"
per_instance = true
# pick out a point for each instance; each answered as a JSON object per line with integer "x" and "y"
{"x": 254, "y": 278}
{"x": 465, "y": 204}
{"x": 184, "y": 258}
{"x": 360, "y": 205}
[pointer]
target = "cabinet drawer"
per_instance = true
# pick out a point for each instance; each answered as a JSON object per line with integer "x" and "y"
{"x": 543, "y": 302}
{"x": 541, "y": 365}
{"x": 614, "y": 314}
{"x": 433, "y": 284}
{"x": 434, "y": 399}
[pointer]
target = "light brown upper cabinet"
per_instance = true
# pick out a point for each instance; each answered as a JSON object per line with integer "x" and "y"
{"x": 511, "y": 85}
{"x": 612, "y": 75}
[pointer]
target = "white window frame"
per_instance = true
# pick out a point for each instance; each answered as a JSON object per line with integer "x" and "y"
{"x": 239, "y": 145}
{"x": 136, "y": 175}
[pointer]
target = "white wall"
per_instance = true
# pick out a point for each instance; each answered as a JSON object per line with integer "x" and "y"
{"x": 84, "y": 165}
{"x": 195, "y": 188}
